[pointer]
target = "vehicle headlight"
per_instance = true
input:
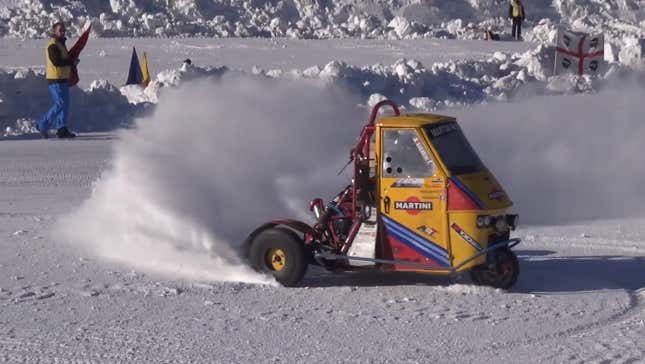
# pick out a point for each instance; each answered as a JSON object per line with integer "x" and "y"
{"x": 501, "y": 225}
{"x": 483, "y": 221}
{"x": 513, "y": 221}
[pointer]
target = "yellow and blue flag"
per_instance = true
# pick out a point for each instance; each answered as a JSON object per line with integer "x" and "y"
{"x": 144, "y": 70}
{"x": 138, "y": 73}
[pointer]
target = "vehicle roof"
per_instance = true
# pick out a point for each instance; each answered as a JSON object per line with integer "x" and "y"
{"x": 413, "y": 120}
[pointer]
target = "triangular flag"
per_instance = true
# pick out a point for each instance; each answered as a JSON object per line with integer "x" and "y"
{"x": 144, "y": 70}
{"x": 74, "y": 52}
{"x": 134, "y": 74}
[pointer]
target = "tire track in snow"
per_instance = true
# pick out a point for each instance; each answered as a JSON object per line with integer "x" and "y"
{"x": 634, "y": 307}
{"x": 623, "y": 342}
{"x": 111, "y": 345}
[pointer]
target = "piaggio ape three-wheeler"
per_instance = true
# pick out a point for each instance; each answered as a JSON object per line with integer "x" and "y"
{"x": 421, "y": 200}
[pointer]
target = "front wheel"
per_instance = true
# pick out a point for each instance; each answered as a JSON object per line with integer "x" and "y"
{"x": 281, "y": 253}
{"x": 502, "y": 274}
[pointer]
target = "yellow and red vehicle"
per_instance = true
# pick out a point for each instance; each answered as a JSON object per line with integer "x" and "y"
{"x": 421, "y": 200}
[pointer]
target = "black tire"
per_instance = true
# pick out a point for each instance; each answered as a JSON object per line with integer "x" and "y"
{"x": 281, "y": 253}
{"x": 503, "y": 275}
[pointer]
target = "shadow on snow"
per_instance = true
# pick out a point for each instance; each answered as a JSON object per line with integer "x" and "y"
{"x": 539, "y": 273}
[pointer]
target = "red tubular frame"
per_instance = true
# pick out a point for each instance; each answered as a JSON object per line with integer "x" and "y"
{"x": 362, "y": 150}
{"x": 310, "y": 233}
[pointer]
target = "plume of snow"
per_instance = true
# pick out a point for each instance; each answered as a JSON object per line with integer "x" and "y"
{"x": 215, "y": 160}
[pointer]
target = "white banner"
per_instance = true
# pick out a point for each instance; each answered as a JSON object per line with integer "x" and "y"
{"x": 579, "y": 53}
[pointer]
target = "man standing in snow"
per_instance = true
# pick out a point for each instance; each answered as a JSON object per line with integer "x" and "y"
{"x": 58, "y": 70}
{"x": 516, "y": 12}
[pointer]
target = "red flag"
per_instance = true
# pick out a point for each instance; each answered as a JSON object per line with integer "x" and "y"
{"x": 74, "y": 52}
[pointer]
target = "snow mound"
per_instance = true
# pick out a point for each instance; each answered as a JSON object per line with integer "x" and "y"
{"x": 169, "y": 78}
{"x": 317, "y": 19}
{"x": 24, "y": 98}
{"x": 502, "y": 77}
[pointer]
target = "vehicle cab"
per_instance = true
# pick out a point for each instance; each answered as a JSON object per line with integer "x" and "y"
{"x": 438, "y": 203}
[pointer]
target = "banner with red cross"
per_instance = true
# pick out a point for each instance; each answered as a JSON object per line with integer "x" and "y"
{"x": 579, "y": 53}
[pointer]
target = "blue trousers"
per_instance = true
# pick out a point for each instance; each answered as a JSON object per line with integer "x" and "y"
{"x": 59, "y": 111}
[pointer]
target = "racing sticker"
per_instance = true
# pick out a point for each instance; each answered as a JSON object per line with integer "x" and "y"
{"x": 443, "y": 129}
{"x": 422, "y": 151}
{"x": 408, "y": 182}
{"x": 413, "y": 205}
{"x": 496, "y": 194}
{"x": 464, "y": 235}
{"x": 431, "y": 232}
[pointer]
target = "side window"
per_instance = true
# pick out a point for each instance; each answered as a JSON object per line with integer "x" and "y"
{"x": 405, "y": 156}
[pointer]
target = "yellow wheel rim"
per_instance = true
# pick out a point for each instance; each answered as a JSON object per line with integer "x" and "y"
{"x": 276, "y": 259}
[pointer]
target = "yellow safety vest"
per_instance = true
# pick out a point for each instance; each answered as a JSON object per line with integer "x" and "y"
{"x": 517, "y": 9}
{"x": 53, "y": 72}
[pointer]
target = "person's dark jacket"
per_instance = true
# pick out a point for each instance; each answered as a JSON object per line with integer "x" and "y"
{"x": 56, "y": 57}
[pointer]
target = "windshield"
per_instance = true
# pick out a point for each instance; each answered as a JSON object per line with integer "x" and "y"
{"x": 453, "y": 147}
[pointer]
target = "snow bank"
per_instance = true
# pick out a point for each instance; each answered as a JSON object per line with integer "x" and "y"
{"x": 216, "y": 159}
{"x": 24, "y": 98}
{"x": 169, "y": 78}
{"x": 503, "y": 77}
{"x": 410, "y": 83}
{"x": 391, "y": 19}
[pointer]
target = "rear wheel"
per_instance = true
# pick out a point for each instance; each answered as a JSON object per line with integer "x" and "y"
{"x": 503, "y": 274}
{"x": 281, "y": 253}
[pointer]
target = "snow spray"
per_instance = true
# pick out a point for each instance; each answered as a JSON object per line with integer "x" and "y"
{"x": 566, "y": 159}
{"x": 216, "y": 159}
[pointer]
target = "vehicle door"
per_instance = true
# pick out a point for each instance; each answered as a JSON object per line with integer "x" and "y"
{"x": 412, "y": 201}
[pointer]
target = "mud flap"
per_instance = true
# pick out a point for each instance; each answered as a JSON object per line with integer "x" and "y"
{"x": 364, "y": 244}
